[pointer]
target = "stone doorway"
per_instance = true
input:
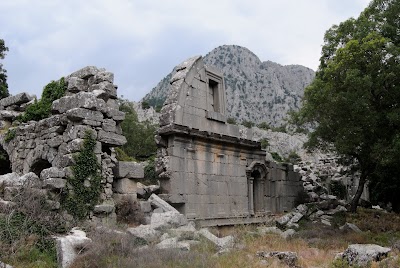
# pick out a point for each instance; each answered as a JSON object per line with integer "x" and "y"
{"x": 5, "y": 164}
{"x": 256, "y": 176}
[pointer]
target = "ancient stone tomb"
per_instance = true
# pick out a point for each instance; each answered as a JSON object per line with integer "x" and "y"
{"x": 211, "y": 171}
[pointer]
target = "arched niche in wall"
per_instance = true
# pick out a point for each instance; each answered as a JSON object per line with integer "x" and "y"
{"x": 256, "y": 177}
{"x": 5, "y": 164}
{"x": 38, "y": 165}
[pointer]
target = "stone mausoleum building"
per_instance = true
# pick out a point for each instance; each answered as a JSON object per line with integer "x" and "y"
{"x": 212, "y": 171}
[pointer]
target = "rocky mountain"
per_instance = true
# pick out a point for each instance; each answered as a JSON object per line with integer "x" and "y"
{"x": 256, "y": 91}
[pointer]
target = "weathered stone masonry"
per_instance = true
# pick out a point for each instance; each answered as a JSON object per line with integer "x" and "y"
{"x": 212, "y": 171}
{"x": 46, "y": 147}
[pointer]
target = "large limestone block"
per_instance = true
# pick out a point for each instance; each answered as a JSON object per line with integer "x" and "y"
{"x": 107, "y": 87}
{"x": 78, "y": 114}
{"x": 13, "y": 179}
{"x": 115, "y": 114}
{"x": 68, "y": 247}
{"x": 86, "y": 72}
{"x": 16, "y": 100}
{"x": 52, "y": 172}
{"x": 159, "y": 203}
{"x": 173, "y": 243}
{"x": 111, "y": 138}
{"x": 80, "y": 100}
{"x": 9, "y": 115}
{"x": 361, "y": 254}
{"x": 145, "y": 232}
{"x": 223, "y": 243}
{"x": 125, "y": 169}
{"x": 54, "y": 183}
{"x": 125, "y": 186}
{"x": 167, "y": 220}
{"x": 76, "y": 84}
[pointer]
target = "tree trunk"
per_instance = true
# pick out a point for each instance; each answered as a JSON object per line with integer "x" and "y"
{"x": 357, "y": 196}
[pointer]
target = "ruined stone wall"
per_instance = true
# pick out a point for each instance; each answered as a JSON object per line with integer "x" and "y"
{"x": 47, "y": 147}
{"x": 210, "y": 170}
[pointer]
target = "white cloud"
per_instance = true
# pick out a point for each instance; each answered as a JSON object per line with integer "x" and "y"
{"x": 141, "y": 41}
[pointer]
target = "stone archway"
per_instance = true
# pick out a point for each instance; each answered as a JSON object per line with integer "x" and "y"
{"x": 5, "y": 164}
{"x": 39, "y": 165}
{"x": 256, "y": 177}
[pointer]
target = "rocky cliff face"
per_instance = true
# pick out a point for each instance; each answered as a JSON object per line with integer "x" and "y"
{"x": 255, "y": 91}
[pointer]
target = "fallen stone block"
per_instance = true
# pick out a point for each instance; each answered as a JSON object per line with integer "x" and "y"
{"x": 68, "y": 247}
{"x": 167, "y": 220}
{"x": 269, "y": 230}
{"x": 159, "y": 203}
{"x": 223, "y": 243}
{"x": 173, "y": 243}
{"x": 288, "y": 233}
{"x": 282, "y": 221}
{"x": 350, "y": 227}
{"x": 145, "y": 206}
{"x": 361, "y": 254}
{"x": 287, "y": 257}
{"x": 4, "y": 265}
{"x": 145, "y": 232}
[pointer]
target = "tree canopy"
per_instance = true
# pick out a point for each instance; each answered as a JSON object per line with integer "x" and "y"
{"x": 139, "y": 135}
{"x": 354, "y": 102}
{"x": 3, "y": 75}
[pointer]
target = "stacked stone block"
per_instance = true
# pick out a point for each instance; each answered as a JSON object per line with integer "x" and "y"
{"x": 125, "y": 182}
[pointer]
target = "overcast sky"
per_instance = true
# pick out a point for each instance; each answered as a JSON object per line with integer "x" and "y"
{"x": 141, "y": 41}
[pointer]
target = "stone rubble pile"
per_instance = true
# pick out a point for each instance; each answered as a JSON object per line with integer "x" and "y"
{"x": 318, "y": 178}
{"x": 167, "y": 229}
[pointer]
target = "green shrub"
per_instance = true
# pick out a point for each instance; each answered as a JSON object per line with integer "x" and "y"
{"x": 145, "y": 105}
{"x": 231, "y": 120}
{"x": 150, "y": 174}
{"x": 42, "y": 109}
{"x": 11, "y": 133}
{"x": 139, "y": 135}
{"x": 293, "y": 158}
{"x": 279, "y": 129}
{"x": 264, "y": 125}
{"x": 338, "y": 189}
{"x": 264, "y": 143}
{"x": 122, "y": 156}
{"x": 248, "y": 124}
{"x": 84, "y": 187}
{"x": 26, "y": 230}
{"x": 276, "y": 157}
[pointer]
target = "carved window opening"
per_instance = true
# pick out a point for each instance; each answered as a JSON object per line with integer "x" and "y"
{"x": 213, "y": 95}
{"x": 39, "y": 165}
{"x": 5, "y": 164}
